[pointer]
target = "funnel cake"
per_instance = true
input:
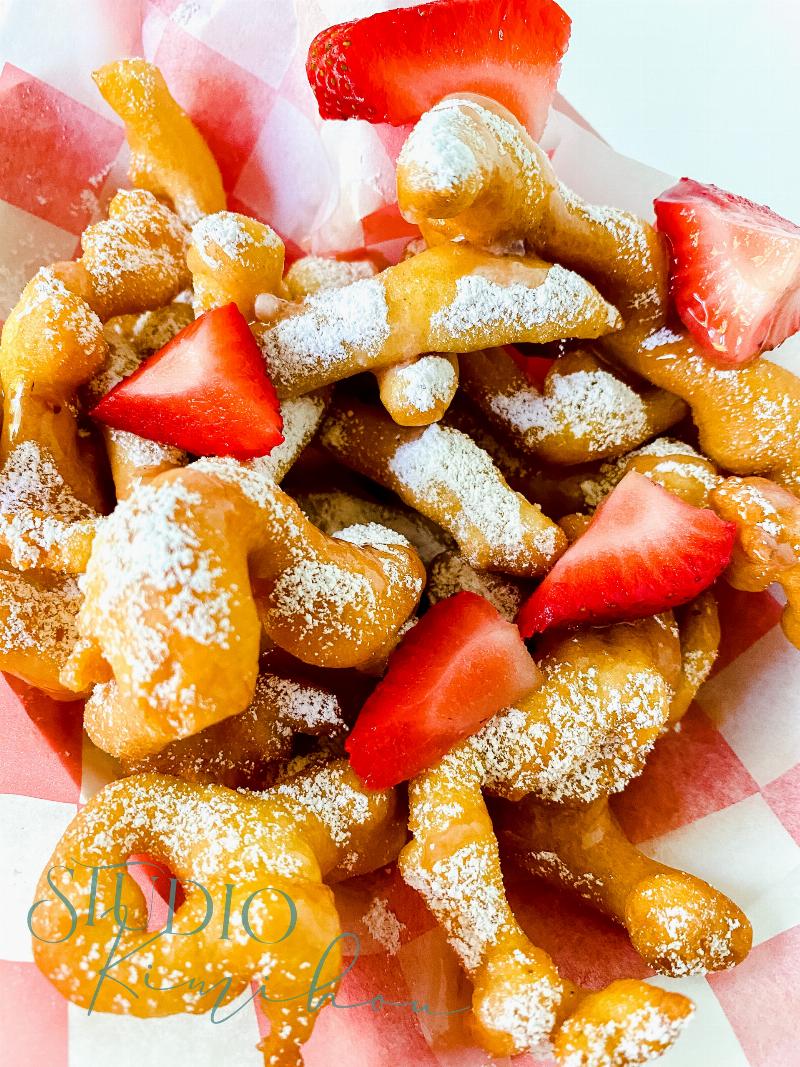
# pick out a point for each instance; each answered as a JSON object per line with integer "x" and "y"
{"x": 38, "y": 627}
{"x": 540, "y": 750}
{"x": 446, "y": 476}
{"x": 449, "y": 573}
{"x": 168, "y": 155}
{"x": 504, "y": 192}
{"x": 132, "y": 261}
{"x": 185, "y": 572}
{"x": 556, "y": 489}
{"x": 586, "y": 412}
{"x": 233, "y": 259}
{"x": 50, "y": 490}
{"x": 447, "y": 299}
{"x": 520, "y": 1001}
{"x": 678, "y": 924}
{"x": 244, "y": 751}
{"x": 584, "y": 733}
{"x": 767, "y": 546}
{"x": 335, "y": 511}
{"x": 416, "y": 392}
{"x": 316, "y": 824}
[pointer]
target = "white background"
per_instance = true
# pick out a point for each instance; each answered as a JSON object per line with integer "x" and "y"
{"x": 704, "y": 88}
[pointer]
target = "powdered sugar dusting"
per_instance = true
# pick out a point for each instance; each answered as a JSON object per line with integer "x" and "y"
{"x": 36, "y": 505}
{"x": 328, "y": 796}
{"x": 446, "y": 466}
{"x": 450, "y": 574}
{"x": 333, "y": 512}
{"x": 591, "y": 406}
{"x": 438, "y": 151}
{"x": 149, "y": 549}
{"x": 331, "y": 329}
{"x": 227, "y": 233}
{"x": 311, "y": 274}
{"x": 457, "y": 891}
{"x": 38, "y": 615}
{"x": 383, "y": 925}
{"x": 576, "y": 738}
{"x": 482, "y": 305}
{"x": 639, "y": 1036}
{"x": 64, "y": 314}
{"x": 425, "y": 384}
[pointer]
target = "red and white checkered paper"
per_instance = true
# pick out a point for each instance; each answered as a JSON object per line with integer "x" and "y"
{"x": 721, "y": 798}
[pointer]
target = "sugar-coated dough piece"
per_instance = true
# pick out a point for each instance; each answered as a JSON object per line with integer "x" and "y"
{"x": 418, "y": 393}
{"x": 168, "y": 155}
{"x": 699, "y": 628}
{"x": 242, "y": 751}
{"x": 520, "y": 1001}
{"x": 43, "y": 525}
{"x": 504, "y": 193}
{"x": 447, "y": 299}
{"x": 185, "y": 572}
{"x": 132, "y": 261}
{"x": 50, "y": 487}
{"x": 627, "y": 1023}
{"x": 278, "y": 845}
{"x": 312, "y": 274}
{"x": 587, "y": 730}
{"x": 415, "y": 393}
{"x": 679, "y": 924}
{"x": 450, "y": 573}
{"x": 586, "y": 412}
{"x": 38, "y": 627}
{"x": 233, "y": 258}
{"x": 748, "y": 418}
{"x": 446, "y": 476}
{"x": 767, "y": 546}
{"x": 482, "y": 179}
{"x": 336, "y": 510}
{"x": 605, "y": 697}
{"x": 556, "y": 489}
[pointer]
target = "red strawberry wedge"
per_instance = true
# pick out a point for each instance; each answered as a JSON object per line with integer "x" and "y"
{"x": 735, "y": 272}
{"x": 394, "y": 66}
{"x": 459, "y": 665}
{"x": 535, "y": 368}
{"x": 645, "y": 551}
{"x": 207, "y": 391}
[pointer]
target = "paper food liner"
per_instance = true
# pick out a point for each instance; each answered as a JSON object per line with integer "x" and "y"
{"x": 721, "y": 798}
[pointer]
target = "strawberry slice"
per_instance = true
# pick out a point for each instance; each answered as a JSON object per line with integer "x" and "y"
{"x": 644, "y": 551}
{"x": 207, "y": 392}
{"x": 459, "y": 665}
{"x": 735, "y": 272}
{"x": 394, "y": 66}
{"x": 535, "y": 368}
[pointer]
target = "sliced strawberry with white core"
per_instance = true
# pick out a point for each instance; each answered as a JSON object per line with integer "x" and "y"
{"x": 456, "y": 668}
{"x": 395, "y": 65}
{"x": 645, "y": 551}
{"x": 735, "y": 272}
